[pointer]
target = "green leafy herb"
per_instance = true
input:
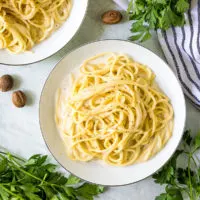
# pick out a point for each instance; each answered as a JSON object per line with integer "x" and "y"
{"x": 181, "y": 181}
{"x": 150, "y": 15}
{"x": 36, "y": 179}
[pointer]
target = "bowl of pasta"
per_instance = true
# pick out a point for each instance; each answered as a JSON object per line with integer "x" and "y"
{"x": 115, "y": 115}
{"x": 33, "y": 30}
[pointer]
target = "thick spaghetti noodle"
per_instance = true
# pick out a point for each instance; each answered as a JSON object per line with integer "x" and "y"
{"x": 23, "y": 23}
{"x": 115, "y": 112}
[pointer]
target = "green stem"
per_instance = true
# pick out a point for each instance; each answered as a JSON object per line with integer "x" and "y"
{"x": 181, "y": 188}
{"x": 25, "y": 172}
{"x": 186, "y": 152}
{"x": 9, "y": 192}
{"x": 189, "y": 175}
{"x": 6, "y": 154}
{"x": 194, "y": 162}
{"x": 194, "y": 151}
{"x": 197, "y": 159}
{"x": 35, "y": 177}
{"x": 18, "y": 166}
{"x": 43, "y": 180}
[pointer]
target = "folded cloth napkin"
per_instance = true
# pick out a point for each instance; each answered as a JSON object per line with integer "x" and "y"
{"x": 181, "y": 46}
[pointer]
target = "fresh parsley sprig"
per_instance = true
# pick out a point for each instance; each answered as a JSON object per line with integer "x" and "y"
{"x": 179, "y": 181}
{"x": 36, "y": 179}
{"x": 150, "y": 15}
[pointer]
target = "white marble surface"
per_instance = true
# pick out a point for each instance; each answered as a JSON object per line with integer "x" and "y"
{"x": 19, "y": 128}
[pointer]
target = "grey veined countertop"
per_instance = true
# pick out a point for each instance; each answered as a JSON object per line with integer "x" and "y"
{"x": 19, "y": 128}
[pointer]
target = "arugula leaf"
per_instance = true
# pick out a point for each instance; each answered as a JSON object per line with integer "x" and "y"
{"x": 150, "y": 15}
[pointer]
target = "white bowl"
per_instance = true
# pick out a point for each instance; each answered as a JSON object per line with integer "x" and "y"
{"x": 94, "y": 171}
{"x": 54, "y": 43}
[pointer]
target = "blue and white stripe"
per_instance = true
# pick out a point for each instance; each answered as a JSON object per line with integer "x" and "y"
{"x": 181, "y": 46}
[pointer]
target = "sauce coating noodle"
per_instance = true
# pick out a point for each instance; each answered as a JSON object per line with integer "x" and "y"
{"x": 23, "y": 23}
{"x": 115, "y": 112}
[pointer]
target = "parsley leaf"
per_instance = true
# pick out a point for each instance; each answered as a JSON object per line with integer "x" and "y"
{"x": 187, "y": 137}
{"x": 36, "y": 179}
{"x": 163, "y": 196}
{"x": 3, "y": 194}
{"x": 182, "y": 6}
{"x": 150, "y": 15}
{"x": 87, "y": 191}
{"x": 197, "y": 141}
{"x": 178, "y": 180}
{"x": 167, "y": 174}
{"x": 164, "y": 176}
{"x": 3, "y": 164}
{"x": 164, "y": 2}
{"x": 171, "y": 194}
{"x": 73, "y": 180}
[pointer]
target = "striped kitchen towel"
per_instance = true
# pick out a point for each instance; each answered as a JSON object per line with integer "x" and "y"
{"x": 181, "y": 46}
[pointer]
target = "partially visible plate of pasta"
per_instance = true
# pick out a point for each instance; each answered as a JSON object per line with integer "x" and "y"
{"x": 115, "y": 115}
{"x": 33, "y": 30}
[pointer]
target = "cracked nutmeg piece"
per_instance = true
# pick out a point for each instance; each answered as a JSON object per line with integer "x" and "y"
{"x": 111, "y": 17}
{"x": 19, "y": 99}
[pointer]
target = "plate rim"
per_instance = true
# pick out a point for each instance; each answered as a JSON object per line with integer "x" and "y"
{"x": 117, "y": 40}
{"x": 76, "y": 32}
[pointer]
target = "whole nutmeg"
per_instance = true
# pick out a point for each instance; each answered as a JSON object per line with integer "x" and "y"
{"x": 111, "y": 17}
{"x": 6, "y": 83}
{"x": 19, "y": 99}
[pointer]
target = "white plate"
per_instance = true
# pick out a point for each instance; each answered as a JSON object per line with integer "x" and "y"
{"x": 54, "y": 43}
{"x": 93, "y": 171}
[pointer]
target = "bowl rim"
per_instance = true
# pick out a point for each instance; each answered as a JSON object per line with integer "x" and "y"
{"x": 96, "y": 41}
{"x": 52, "y": 54}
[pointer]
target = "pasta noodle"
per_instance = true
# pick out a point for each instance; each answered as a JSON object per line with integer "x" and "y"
{"x": 115, "y": 112}
{"x": 24, "y": 23}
